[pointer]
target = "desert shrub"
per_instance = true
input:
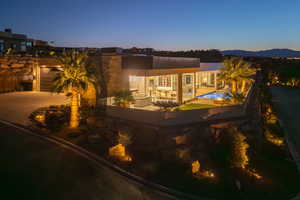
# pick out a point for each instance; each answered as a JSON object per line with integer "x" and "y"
{"x": 124, "y": 138}
{"x": 239, "y": 146}
{"x": 53, "y": 117}
{"x": 232, "y": 149}
{"x": 56, "y": 117}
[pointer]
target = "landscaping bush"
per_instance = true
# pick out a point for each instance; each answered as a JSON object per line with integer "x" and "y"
{"x": 123, "y": 98}
{"x": 54, "y": 117}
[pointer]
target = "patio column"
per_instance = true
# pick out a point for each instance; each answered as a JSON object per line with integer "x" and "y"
{"x": 36, "y": 79}
{"x": 179, "y": 89}
{"x": 194, "y": 85}
{"x": 215, "y": 74}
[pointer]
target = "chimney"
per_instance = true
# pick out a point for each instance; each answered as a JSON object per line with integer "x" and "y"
{"x": 8, "y": 30}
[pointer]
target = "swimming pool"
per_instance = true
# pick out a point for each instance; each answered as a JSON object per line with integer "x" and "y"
{"x": 214, "y": 96}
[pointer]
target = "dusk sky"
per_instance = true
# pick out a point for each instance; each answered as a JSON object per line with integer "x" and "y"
{"x": 160, "y": 24}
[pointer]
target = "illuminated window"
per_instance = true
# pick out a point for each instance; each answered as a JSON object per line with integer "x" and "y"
{"x": 212, "y": 78}
{"x": 151, "y": 83}
{"x": 29, "y": 44}
{"x": 1, "y": 45}
{"x": 188, "y": 79}
{"x": 23, "y": 46}
{"x": 164, "y": 81}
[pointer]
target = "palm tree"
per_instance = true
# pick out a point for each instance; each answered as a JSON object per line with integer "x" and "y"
{"x": 75, "y": 78}
{"x": 236, "y": 70}
{"x": 246, "y": 73}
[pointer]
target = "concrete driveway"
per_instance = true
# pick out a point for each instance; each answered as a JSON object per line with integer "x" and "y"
{"x": 17, "y": 106}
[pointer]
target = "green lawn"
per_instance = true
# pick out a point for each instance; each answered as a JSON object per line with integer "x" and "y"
{"x": 195, "y": 106}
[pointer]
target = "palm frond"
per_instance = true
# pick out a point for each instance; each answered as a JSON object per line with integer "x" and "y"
{"x": 74, "y": 74}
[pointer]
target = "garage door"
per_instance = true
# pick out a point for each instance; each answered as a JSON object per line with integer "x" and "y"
{"x": 47, "y": 77}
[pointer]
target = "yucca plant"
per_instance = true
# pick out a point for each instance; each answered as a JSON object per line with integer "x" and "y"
{"x": 73, "y": 78}
{"x": 123, "y": 98}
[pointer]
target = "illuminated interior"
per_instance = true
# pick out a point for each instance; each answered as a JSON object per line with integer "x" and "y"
{"x": 167, "y": 87}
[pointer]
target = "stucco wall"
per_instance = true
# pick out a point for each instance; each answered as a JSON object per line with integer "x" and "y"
{"x": 137, "y": 62}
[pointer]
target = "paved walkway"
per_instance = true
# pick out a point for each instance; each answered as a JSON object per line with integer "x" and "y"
{"x": 17, "y": 106}
{"x": 33, "y": 168}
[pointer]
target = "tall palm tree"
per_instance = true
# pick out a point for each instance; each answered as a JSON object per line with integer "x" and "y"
{"x": 246, "y": 73}
{"x": 75, "y": 78}
{"x": 236, "y": 70}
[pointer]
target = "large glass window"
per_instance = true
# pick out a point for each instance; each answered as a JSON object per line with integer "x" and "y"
{"x": 188, "y": 79}
{"x": 151, "y": 82}
{"x": 29, "y": 44}
{"x": 1, "y": 45}
{"x": 205, "y": 79}
{"x": 23, "y": 46}
{"x": 212, "y": 78}
{"x": 164, "y": 81}
{"x": 174, "y": 82}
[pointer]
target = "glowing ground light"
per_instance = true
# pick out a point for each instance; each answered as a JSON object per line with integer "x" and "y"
{"x": 196, "y": 170}
{"x": 208, "y": 173}
{"x": 40, "y": 117}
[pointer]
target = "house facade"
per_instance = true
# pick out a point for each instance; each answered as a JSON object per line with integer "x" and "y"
{"x": 162, "y": 78}
{"x": 150, "y": 78}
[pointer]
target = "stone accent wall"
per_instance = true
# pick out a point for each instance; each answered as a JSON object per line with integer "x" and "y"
{"x": 117, "y": 81}
{"x": 15, "y": 73}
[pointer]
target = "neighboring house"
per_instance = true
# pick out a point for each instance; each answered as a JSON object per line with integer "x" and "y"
{"x": 19, "y": 43}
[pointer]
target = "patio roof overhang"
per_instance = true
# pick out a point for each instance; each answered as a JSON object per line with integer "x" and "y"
{"x": 158, "y": 72}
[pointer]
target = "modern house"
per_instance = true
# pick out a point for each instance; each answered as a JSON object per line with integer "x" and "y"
{"x": 150, "y": 78}
{"x": 167, "y": 78}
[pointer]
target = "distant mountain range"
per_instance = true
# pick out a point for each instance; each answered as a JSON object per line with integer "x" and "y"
{"x": 283, "y": 53}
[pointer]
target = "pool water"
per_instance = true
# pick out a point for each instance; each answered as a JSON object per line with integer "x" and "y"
{"x": 213, "y": 95}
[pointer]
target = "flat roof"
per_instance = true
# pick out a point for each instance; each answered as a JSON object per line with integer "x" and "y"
{"x": 158, "y": 62}
{"x": 211, "y": 66}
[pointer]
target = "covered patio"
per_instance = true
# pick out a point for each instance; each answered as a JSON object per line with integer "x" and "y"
{"x": 179, "y": 85}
